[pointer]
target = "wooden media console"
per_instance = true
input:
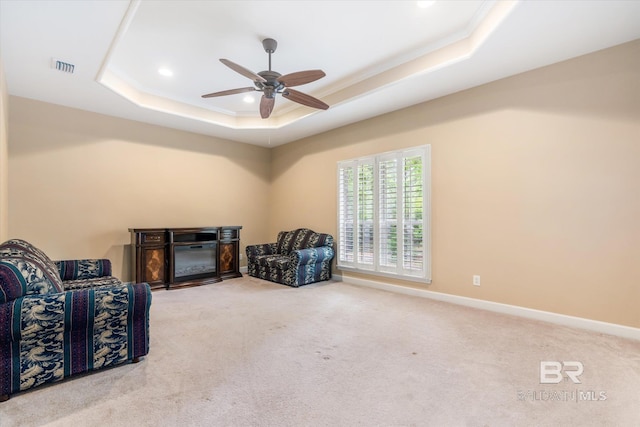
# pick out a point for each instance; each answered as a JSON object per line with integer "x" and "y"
{"x": 168, "y": 258}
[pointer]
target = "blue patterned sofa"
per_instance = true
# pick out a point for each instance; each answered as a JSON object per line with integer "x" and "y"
{"x": 63, "y": 318}
{"x": 297, "y": 258}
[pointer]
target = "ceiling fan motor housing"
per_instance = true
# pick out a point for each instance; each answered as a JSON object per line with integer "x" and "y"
{"x": 272, "y": 82}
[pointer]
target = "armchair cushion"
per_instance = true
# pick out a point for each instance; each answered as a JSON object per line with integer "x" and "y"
{"x": 70, "y": 285}
{"x": 26, "y": 270}
{"x": 274, "y": 261}
{"x": 18, "y": 247}
{"x": 302, "y": 238}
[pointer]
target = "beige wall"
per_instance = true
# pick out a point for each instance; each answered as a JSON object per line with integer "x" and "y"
{"x": 4, "y": 157}
{"x": 536, "y": 185}
{"x": 79, "y": 180}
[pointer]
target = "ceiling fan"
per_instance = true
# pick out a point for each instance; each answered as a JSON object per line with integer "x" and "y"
{"x": 271, "y": 83}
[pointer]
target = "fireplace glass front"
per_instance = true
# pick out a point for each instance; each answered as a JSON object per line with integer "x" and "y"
{"x": 194, "y": 261}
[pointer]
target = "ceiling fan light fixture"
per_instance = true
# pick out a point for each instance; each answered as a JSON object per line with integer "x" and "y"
{"x": 164, "y": 71}
{"x": 425, "y": 3}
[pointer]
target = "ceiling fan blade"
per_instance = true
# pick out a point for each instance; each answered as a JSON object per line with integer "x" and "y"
{"x": 301, "y": 77}
{"x": 304, "y": 99}
{"x": 266, "y": 106}
{"x": 240, "y": 69}
{"x": 229, "y": 92}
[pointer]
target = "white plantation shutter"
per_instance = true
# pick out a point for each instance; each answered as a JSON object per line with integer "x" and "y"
{"x": 365, "y": 209}
{"x": 413, "y": 208}
{"x": 388, "y": 214}
{"x": 346, "y": 213}
{"x": 384, "y": 214}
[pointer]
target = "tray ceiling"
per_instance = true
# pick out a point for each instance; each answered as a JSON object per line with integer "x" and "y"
{"x": 378, "y": 56}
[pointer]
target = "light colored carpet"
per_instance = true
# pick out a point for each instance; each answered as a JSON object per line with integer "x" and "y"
{"x": 246, "y": 352}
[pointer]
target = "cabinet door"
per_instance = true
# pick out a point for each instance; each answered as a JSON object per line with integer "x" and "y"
{"x": 151, "y": 267}
{"x": 228, "y": 261}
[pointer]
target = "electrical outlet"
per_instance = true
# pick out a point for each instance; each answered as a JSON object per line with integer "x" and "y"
{"x": 476, "y": 280}
{"x": 241, "y": 256}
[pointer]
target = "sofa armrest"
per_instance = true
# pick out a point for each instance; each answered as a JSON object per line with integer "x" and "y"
{"x": 261, "y": 249}
{"x": 82, "y": 269}
{"x": 11, "y": 313}
{"x": 311, "y": 256}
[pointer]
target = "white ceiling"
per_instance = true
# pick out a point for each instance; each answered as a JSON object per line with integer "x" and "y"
{"x": 379, "y": 56}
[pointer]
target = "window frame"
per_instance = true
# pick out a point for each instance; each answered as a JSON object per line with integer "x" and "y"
{"x": 349, "y": 253}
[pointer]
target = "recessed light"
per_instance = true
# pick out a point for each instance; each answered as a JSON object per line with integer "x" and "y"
{"x": 425, "y": 4}
{"x": 164, "y": 71}
{"x": 249, "y": 99}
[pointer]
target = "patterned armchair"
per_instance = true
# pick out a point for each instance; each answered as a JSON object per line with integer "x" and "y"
{"x": 299, "y": 257}
{"x": 64, "y": 318}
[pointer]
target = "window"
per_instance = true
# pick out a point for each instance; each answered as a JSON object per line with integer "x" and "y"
{"x": 384, "y": 212}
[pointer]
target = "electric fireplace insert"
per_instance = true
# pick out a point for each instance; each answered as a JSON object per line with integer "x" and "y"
{"x": 193, "y": 255}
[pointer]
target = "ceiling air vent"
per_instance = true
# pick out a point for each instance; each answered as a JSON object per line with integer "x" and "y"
{"x": 62, "y": 66}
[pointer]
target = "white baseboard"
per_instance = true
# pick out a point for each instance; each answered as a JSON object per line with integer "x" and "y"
{"x": 546, "y": 316}
{"x": 244, "y": 270}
